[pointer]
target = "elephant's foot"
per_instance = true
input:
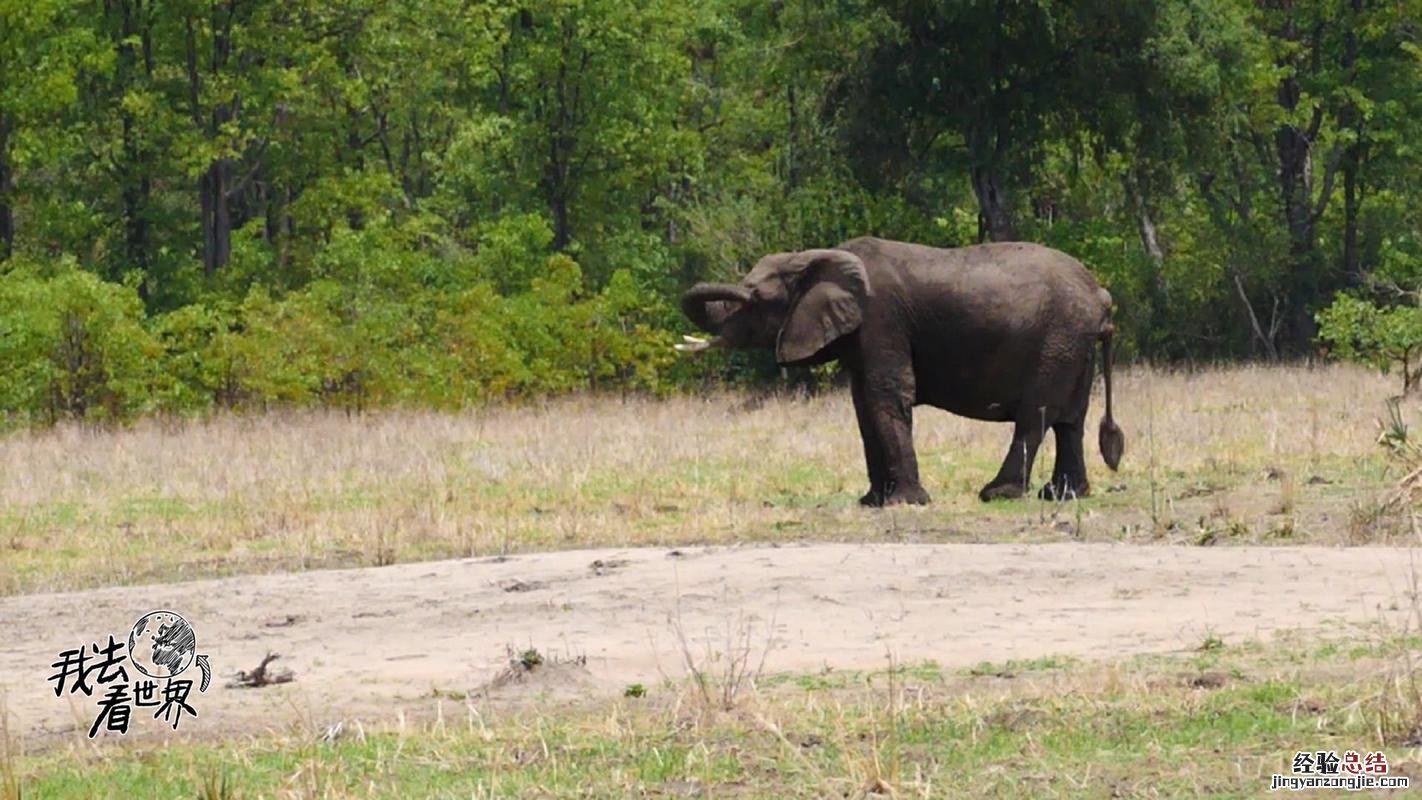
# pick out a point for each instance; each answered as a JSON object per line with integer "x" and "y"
{"x": 1064, "y": 487}
{"x": 899, "y": 495}
{"x": 907, "y": 495}
{"x": 1001, "y": 490}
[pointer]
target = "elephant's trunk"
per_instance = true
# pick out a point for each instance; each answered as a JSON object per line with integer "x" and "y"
{"x": 708, "y": 304}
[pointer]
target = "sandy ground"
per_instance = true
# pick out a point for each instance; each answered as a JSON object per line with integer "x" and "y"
{"x": 369, "y": 644}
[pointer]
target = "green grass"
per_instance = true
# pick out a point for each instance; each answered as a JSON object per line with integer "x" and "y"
{"x": 1051, "y": 727}
{"x": 1012, "y": 667}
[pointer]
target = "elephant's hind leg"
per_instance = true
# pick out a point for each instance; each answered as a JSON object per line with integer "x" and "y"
{"x": 1069, "y": 473}
{"x": 1016, "y": 471}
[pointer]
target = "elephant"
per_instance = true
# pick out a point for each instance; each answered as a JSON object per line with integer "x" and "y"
{"x": 1003, "y": 332}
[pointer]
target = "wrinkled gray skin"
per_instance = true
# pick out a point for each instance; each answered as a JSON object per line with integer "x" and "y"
{"x": 1001, "y": 332}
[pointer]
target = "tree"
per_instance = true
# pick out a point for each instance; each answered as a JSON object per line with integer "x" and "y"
{"x": 1334, "y": 63}
{"x": 969, "y": 86}
{"x": 586, "y": 93}
{"x": 43, "y": 48}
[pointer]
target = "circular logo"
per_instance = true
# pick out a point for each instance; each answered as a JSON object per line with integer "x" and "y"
{"x": 162, "y": 644}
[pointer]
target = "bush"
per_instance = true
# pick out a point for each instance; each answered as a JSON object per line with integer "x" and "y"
{"x": 202, "y": 358}
{"x": 597, "y": 342}
{"x": 378, "y": 330}
{"x": 329, "y": 344}
{"x": 1382, "y": 337}
{"x": 73, "y": 347}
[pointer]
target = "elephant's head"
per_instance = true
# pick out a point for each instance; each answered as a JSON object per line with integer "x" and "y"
{"x": 797, "y": 303}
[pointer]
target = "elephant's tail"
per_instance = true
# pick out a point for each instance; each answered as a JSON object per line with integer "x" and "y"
{"x": 1111, "y": 439}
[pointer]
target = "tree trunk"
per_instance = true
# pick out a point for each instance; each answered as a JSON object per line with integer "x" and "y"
{"x": 560, "y": 172}
{"x": 562, "y": 223}
{"x": 1145, "y": 223}
{"x": 133, "y": 169}
{"x": 557, "y": 183}
{"x": 1150, "y": 243}
{"x": 793, "y": 136}
{"x": 7, "y": 214}
{"x": 215, "y": 186}
{"x": 1293, "y": 147}
{"x": 987, "y": 147}
{"x": 277, "y": 201}
{"x": 1265, "y": 339}
{"x": 213, "y": 189}
{"x": 1352, "y": 273}
{"x": 1350, "y": 118}
{"x": 994, "y": 213}
{"x": 1295, "y": 192}
{"x": 135, "y": 193}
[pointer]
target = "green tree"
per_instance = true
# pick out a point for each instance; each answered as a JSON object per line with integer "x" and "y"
{"x": 44, "y": 49}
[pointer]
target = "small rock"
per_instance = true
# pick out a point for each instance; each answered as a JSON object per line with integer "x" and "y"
{"x": 1207, "y": 680}
{"x": 602, "y": 567}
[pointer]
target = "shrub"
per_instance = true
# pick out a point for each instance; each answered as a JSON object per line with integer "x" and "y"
{"x": 329, "y": 344}
{"x": 408, "y": 329}
{"x": 469, "y": 356}
{"x": 73, "y": 347}
{"x": 202, "y": 358}
{"x": 1382, "y": 337}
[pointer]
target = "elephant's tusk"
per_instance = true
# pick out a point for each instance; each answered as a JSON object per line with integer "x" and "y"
{"x": 694, "y": 344}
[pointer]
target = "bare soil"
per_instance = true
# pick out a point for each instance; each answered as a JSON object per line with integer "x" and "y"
{"x": 371, "y": 644}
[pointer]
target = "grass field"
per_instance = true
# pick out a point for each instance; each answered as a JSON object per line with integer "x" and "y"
{"x": 1215, "y": 456}
{"x": 1216, "y": 722}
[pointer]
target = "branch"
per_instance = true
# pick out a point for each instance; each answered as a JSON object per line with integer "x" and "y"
{"x": 1326, "y": 193}
{"x": 1314, "y": 124}
{"x": 1267, "y": 341}
{"x": 256, "y": 167}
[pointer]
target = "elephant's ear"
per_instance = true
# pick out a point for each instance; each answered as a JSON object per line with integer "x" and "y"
{"x": 828, "y": 302}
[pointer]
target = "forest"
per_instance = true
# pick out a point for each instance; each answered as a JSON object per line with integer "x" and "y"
{"x": 237, "y": 204}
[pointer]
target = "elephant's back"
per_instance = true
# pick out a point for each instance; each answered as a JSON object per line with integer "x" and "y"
{"x": 1022, "y": 262}
{"x": 1011, "y": 283}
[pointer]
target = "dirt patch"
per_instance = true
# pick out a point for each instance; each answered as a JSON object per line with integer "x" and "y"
{"x": 372, "y": 643}
{"x": 530, "y": 675}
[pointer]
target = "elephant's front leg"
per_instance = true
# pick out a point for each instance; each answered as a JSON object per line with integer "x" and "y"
{"x": 873, "y": 449}
{"x": 885, "y": 414}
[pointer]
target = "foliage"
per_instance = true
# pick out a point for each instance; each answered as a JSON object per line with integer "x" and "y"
{"x": 340, "y": 203}
{"x": 73, "y": 346}
{"x": 1381, "y": 337}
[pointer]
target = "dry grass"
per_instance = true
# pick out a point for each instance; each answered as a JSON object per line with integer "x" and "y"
{"x": 1240, "y": 454}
